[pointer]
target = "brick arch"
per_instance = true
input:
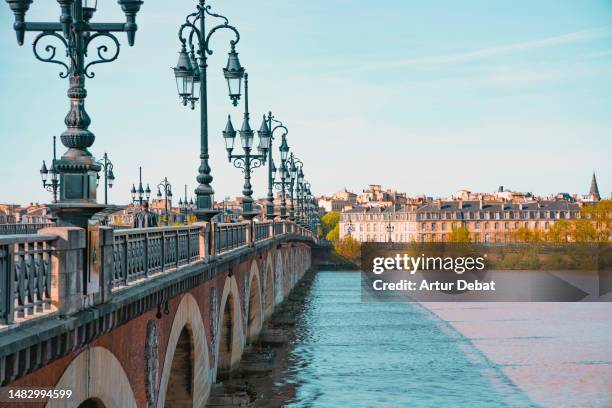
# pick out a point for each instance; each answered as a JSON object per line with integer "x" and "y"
{"x": 254, "y": 315}
{"x": 279, "y": 271}
{"x": 287, "y": 268}
{"x": 268, "y": 297}
{"x": 188, "y": 316}
{"x": 96, "y": 374}
{"x": 231, "y": 337}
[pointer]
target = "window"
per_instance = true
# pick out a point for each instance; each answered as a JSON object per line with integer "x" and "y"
{"x": 477, "y": 225}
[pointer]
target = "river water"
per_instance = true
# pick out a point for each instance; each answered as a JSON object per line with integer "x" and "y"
{"x": 350, "y": 353}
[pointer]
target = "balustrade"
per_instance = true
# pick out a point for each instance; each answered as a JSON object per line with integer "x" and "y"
{"x": 25, "y": 276}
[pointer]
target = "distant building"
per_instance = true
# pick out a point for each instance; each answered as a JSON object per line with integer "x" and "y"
{"x": 337, "y": 202}
{"x": 489, "y": 221}
{"x": 593, "y": 195}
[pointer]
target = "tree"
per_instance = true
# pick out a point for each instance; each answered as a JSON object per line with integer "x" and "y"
{"x": 348, "y": 248}
{"x": 527, "y": 235}
{"x": 461, "y": 234}
{"x": 329, "y": 221}
{"x": 334, "y": 234}
{"x": 599, "y": 216}
{"x": 559, "y": 232}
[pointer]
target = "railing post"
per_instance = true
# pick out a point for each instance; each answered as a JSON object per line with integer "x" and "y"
{"x": 107, "y": 240}
{"x": 250, "y": 233}
{"x": 67, "y": 265}
{"x": 206, "y": 240}
{"x": 271, "y": 229}
{"x": 7, "y": 288}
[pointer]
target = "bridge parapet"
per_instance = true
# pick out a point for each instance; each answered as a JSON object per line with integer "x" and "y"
{"x": 53, "y": 271}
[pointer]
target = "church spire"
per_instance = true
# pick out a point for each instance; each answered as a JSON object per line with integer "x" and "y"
{"x": 594, "y": 191}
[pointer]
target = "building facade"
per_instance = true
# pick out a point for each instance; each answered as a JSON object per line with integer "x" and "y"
{"x": 485, "y": 221}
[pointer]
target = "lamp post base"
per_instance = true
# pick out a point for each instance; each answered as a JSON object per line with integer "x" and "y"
{"x": 249, "y": 215}
{"x": 77, "y": 214}
{"x": 205, "y": 215}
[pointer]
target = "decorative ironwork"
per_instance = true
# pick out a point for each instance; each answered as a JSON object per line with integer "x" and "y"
{"x": 139, "y": 253}
{"x": 52, "y": 50}
{"x": 102, "y": 49}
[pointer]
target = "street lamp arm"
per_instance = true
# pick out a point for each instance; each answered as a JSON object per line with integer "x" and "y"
{"x": 207, "y": 11}
{"x": 51, "y": 50}
{"x": 214, "y": 29}
{"x": 238, "y": 161}
{"x": 194, "y": 29}
{"x": 281, "y": 126}
{"x": 102, "y": 50}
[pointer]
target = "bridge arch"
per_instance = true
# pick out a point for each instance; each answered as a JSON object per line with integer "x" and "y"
{"x": 279, "y": 289}
{"x": 96, "y": 379}
{"x": 254, "y": 311}
{"x": 231, "y": 337}
{"x": 92, "y": 403}
{"x": 268, "y": 286}
{"x": 186, "y": 370}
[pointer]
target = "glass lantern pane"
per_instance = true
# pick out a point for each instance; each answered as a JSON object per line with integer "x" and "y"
{"x": 246, "y": 140}
{"x": 229, "y": 142}
{"x": 90, "y": 4}
{"x": 234, "y": 86}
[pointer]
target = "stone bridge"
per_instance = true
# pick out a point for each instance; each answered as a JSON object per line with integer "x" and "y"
{"x": 140, "y": 317}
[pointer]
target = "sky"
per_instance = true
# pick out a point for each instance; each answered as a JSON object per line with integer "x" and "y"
{"x": 425, "y": 97}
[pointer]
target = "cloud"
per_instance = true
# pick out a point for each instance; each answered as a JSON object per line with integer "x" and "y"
{"x": 483, "y": 53}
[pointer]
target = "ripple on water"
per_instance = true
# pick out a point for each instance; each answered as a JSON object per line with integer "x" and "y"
{"x": 350, "y": 353}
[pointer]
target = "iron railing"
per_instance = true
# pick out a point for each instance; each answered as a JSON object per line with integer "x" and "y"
{"x": 278, "y": 228}
{"x": 262, "y": 230}
{"x": 230, "y": 236}
{"x": 22, "y": 229}
{"x": 25, "y": 276}
{"x": 139, "y": 253}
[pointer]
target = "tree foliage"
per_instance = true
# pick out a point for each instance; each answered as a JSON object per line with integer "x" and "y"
{"x": 593, "y": 225}
{"x": 329, "y": 221}
{"x": 334, "y": 234}
{"x": 348, "y": 248}
{"x": 461, "y": 234}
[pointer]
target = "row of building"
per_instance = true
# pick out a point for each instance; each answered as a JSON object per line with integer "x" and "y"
{"x": 488, "y": 217}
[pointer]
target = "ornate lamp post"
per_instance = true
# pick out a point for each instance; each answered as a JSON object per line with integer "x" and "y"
{"x": 247, "y": 161}
{"x": 77, "y": 169}
{"x": 294, "y": 163}
{"x": 109, "y": 176}
{"x": 167, "y": 188}
{"x": 139, "y": 195}
{"x": 284, "y": 151}
{"x": 53, "y": 184}
{"x": 280, "y": 185}
{"x": 186, "y": 206}
{"x": 308, "y": 206}
{"x": 190, "y": 74}
{"x": 301, "y": 193}
{"x": 390, "y": 229}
